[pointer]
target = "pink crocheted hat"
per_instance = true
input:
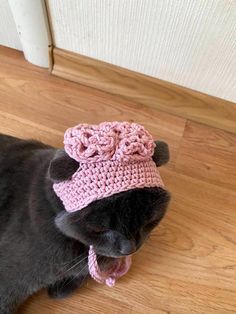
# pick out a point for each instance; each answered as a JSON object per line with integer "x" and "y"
{"x": 114, "y": 157}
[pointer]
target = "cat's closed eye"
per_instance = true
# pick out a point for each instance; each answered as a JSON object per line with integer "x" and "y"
{"x": 98, "y": 229}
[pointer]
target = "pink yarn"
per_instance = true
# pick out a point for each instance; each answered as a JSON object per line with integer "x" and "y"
{"x": 114, "y": 157}
{"x": 121, "y": 141}
{"x": 95, "y": 181}
{"x": 119, "y": 268}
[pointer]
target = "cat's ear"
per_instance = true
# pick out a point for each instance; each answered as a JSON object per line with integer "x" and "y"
{"x": 161, "y": 153}
{"x": 62, "y": 166}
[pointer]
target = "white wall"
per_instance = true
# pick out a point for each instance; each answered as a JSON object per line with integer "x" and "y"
{"x": 188, "y": 42}
{"x": 8, "y": 32}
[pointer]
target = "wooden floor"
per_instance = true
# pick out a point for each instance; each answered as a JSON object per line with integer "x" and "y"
{"x": 189, "y": 263}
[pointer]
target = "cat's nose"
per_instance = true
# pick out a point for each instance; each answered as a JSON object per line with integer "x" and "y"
{"x": 127, "y": 247}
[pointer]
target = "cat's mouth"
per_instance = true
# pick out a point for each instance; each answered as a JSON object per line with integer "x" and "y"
{"x": 109, "y": 264}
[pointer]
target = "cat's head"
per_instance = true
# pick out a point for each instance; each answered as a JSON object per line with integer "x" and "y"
{"x": 116, "y": 225}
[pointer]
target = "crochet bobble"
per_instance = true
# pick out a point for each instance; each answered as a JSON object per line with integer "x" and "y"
{"x": 121, "y": 141}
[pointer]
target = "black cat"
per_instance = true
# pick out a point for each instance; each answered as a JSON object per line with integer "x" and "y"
{"x": 43, "y": 246}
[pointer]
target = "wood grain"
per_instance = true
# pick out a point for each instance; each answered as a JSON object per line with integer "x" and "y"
{"x": 145, "y": 90}
{"x": 209, "y": 154}
{"x": 189, "y": 263}
{"x": 63, "y": 104}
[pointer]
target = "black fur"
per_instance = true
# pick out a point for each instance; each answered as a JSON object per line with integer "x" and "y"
{"x": 57, "y": 170}
{"x": 41, "y": 245}
{"x": 161, "y": 154}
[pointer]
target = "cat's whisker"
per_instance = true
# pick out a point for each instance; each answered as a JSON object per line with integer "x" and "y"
{"x": 76, "y": 264}
{"x": 66, "y": 264}
{"x": 77, "y": 275}
{"x": 73, "y": 259}
{"x": 99, "y": 243}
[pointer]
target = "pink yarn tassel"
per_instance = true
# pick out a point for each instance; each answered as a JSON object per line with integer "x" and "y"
{"x": 108, "y": 277}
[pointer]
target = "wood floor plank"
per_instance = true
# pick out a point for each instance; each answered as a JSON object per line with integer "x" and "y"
{"x": 61, "y": 104}
{"x": 189, "y": 263}
{"x": 145, "y": 90}
{"x": 209, "y": 154}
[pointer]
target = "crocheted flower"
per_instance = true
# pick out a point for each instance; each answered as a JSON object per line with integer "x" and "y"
{"x": 121, "y": 141}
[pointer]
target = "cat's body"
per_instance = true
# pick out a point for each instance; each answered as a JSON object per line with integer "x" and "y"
{"x": 34, "y": 253}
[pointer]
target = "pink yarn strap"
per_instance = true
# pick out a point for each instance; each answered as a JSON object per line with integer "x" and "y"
{"x": 109, "y": 277}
